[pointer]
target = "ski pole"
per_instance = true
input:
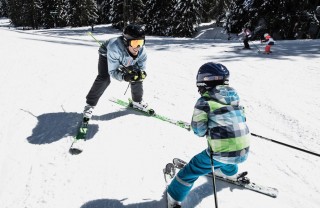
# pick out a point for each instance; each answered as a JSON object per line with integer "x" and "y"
{"x": 213, "y": 179}
{"x": 255, "y": 46}
{"x": 125, "y": 70}
{"x": 90, "y": 34}
{"x": 284, "y": 144}
{"x": 127, "y": 89}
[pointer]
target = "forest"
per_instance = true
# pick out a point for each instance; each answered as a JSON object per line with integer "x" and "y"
{"x": 284, "y": 19}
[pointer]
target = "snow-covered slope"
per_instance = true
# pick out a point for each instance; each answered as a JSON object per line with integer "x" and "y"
{"x": 46, "y": 74}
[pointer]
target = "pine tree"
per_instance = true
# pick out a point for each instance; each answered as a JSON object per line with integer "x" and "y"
{"x": 92, "y": 12}
{"x": 15, "y": 7}
{"x": 48, "y": 13}
{"x": 104, "y": 11}
{"x": 136, "y": 10}
{"x": 186, "y": 18}
{"x": 3, "y": 8}
{"x": 82, "y": 12}
{"x": 62, "y": 17}
{"x": 117, "y": 14}
{"x": 25, "y": 13}
{"x": 158, "y": 17}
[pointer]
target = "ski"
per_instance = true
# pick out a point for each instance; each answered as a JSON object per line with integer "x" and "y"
{"x": 169, "y": 172}
{"x": 179, "y": 123}
{"x": 78, "y": 140}
{"x": 241, "y": 181}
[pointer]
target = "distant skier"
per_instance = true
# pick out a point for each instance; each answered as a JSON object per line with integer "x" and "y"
{"x": 269, "y": 40}
{"x": 246, "y": 33}
{"x": 218, "y": 116}
{"x": 124, "y": 59}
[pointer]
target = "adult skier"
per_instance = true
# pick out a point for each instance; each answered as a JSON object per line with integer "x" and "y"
{"x": 246, "y": 33}
{"x": 124, "y": 59}
{"x": 218, "y": 116}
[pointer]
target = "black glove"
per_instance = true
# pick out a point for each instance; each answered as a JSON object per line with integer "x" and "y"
{"x": 130, "y": 76}
{"x": 142, "y": 75}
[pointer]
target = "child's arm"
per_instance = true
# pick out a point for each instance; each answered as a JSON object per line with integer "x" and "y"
{"x": 199, "y": 121}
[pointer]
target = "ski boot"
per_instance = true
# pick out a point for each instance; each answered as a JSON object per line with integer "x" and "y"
{"x": 87, "y": 113}
{"x": 172, "y": 203}
{"x": 240, "y": 177}
{"x": 142, "y": 105}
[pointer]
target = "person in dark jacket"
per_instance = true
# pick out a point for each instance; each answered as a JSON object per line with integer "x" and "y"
{"x": 246, "y": 33}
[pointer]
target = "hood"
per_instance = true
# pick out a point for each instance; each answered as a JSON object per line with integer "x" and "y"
{"x": 224, "y": 95}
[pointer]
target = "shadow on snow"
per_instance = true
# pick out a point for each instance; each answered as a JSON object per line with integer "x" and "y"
{"x": 52, "y": 127}
{"x": 194, "y": 198}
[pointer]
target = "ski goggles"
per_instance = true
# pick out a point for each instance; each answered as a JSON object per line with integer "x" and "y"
{"x": 136, "y": 43}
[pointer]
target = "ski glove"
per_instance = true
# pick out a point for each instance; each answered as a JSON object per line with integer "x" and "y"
{"x": 142, "y": 75}
{"x": 130, "y": 76}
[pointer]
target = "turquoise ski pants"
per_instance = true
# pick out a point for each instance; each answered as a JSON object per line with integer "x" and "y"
{"x": 199, "y": 165}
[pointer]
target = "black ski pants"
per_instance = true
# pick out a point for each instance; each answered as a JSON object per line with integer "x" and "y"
{"x": 246, "y": 42}
{"x": 103, "y": 80}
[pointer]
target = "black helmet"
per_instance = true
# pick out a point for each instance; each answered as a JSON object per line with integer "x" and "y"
{"x": 133, "y": 31}
{"x": 210, "y": 75}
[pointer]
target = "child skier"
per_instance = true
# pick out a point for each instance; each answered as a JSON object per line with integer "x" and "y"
{"x": 269, "y": 40}
{"x": 246, "y": 37}
{"x": 218, "y": 116}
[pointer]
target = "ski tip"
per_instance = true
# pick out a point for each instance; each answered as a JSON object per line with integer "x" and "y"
{"x": 169, "y": 167}
{"x": 178, "y": 163}
{"x": 169, "y": 170}
{"x": 178, "y": 160}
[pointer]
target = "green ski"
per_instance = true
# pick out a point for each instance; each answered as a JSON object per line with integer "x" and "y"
{"x": 78, "y": 140}
{"x": 151, "y": 113}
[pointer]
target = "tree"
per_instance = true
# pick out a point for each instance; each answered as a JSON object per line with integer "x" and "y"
{"x": 117, "y": 16}
{"x": 104, "y": 8}
{"x": 3, "y": 8}
{"x": 82, "y": 12}
{"x": 62, "y": 7}
{"x": 48, "y": 13}
{"x": 158, "y": 17}
{"x": 135, "y": 9}
{"x": 186, "y": 17}
{"x": 25, "y": 13}
{"x": 14, "y": 9}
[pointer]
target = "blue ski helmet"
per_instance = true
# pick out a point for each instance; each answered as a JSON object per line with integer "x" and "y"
{"x": 210, "y": 75}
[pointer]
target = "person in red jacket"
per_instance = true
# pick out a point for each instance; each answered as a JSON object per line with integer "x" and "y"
{"x": 269, "y": 40}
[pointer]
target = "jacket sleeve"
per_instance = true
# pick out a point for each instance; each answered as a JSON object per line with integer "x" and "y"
{"x": 113, "y": 65}
{"x": 199, "y": 121}
{"x": 114, "y": 55}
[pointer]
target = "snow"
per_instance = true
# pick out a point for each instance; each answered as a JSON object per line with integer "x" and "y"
{"x": 46, "y": 74}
